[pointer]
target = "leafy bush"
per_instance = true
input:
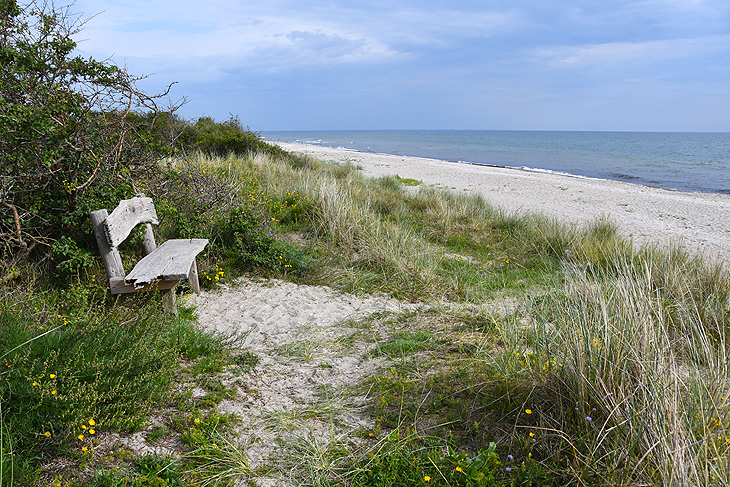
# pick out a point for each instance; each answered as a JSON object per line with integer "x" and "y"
{"x": 249, "y": 242}
{"x": 223, "y": 138}
{"x": 67, "y": 142}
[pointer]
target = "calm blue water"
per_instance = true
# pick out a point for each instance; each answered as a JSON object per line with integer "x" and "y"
{"x": 697, "y": 162}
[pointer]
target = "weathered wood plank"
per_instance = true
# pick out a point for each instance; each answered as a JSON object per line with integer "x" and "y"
{"x": 109, "y": 255}
{"x": 193, "y": 278}
{"x": 128, "y": 215}
{"x": 148, "y": 243}
{"x": 170, "y": 261}
{"x": 118, "y": 286}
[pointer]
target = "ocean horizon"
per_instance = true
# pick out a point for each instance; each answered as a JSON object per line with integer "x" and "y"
{"x": 680, "y": 161}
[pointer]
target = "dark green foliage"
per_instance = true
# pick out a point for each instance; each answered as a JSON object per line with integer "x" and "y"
{"x": 66, "y": 141}
{"x": 222, "y": 138}
{"x": 479, "y": 470}
{"x": 157, "y": 471}
{"x": 251, "y": 243}
{"x": 394, "y": 465}
{"x": 76, "y": 136}
{"x": 291, "y": 208}
{"x": 150, "y": 471}
{"x": 226, "y": 204}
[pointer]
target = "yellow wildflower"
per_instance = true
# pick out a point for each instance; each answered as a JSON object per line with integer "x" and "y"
{"x": 528, "y": 411}
{"x": 91, "y": 431}
{"x": 80, "y": 437}
{"x": 92, "y": 422}
{"x": 426, "y": 478}
{"x": 52, "y": 376}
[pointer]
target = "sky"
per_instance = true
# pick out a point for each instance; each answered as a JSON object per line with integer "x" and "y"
{"x": 643, "y": 65}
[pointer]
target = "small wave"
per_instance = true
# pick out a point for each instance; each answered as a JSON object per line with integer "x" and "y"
{"x": 623, "y": 177}
{"x": 551, "y": 171}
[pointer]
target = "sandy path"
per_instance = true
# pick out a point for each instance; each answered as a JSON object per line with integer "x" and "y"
{"x": 301, "y": 392}
{"x": 303, "y": 397}
{"x": 701, "y": 222}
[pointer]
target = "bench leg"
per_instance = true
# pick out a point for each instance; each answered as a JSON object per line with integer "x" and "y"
{"x": 193, "y": 278}
{"x": 168, "y": 301}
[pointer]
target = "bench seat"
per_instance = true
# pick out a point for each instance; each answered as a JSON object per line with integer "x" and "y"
{"x": 171, "y": 261}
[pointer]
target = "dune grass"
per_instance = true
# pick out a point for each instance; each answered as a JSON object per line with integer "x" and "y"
{"x": 622, "y": 350}
{"x": 642, "y": 350}
{"x": 624, "y": 346}
{"x": 548, "y": 354}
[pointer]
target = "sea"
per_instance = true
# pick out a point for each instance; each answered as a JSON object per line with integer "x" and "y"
{"x": 694, "y": 162}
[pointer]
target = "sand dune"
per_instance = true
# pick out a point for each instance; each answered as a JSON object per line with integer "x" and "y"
{"x": 697, "y": 221}
{"x": 307, "y": 338}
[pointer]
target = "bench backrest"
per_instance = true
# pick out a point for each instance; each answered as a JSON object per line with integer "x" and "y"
{"x": 126, "y": 216}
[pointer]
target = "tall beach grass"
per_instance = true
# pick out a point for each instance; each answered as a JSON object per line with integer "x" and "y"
{"x": 618, "y": 353}
{"x": 641, "y": 343}
{"x": 634, "y": 337}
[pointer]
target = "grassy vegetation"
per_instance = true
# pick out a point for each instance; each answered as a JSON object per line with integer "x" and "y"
{"x": 546, "y": 354}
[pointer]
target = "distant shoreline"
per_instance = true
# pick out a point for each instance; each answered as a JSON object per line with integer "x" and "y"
{"x": 691, "y": 162}
{"x": 699, "y": 222}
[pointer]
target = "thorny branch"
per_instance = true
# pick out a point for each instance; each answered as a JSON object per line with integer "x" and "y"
{"x": 65, "y": 123}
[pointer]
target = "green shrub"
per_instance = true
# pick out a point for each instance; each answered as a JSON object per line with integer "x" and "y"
{"x": 251, "y": 243}
{"x": 223, "y": 138}
{"x": 64, "y": 128}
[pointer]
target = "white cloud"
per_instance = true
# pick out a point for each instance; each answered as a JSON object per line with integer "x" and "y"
{"x": 224, "y": 32}
{"x": 295, "y": 33}
{"x": 234, "y": 51}
{"x": 620, "y": 53}
{"x": 445, "y": 26}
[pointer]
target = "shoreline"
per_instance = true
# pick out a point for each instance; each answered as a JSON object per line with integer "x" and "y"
{"x": 699, "y": 222}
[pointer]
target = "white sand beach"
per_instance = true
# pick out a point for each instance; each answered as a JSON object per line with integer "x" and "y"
{"x": 698, "y": 221}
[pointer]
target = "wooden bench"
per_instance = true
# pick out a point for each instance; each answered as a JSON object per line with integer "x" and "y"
{"x": 161, "y": 268}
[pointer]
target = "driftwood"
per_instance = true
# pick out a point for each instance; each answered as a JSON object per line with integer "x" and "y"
{"x": 162, "y": 267}
{"x": 128, "y": 215}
